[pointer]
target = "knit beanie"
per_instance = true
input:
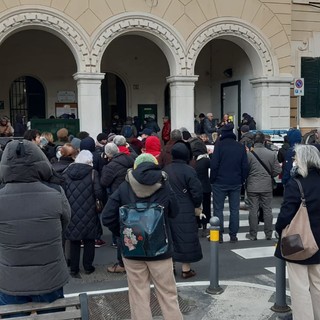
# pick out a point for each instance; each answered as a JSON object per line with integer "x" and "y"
{"x": 88, "y": 144}
{"x": 76, "y": 143}
{"x": 144, "y": 157}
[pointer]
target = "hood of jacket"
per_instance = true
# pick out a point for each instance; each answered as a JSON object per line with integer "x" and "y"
{"x": 77, "y": 171}
{"x": 146, "y": 179}
{"x": 23, "y": 161}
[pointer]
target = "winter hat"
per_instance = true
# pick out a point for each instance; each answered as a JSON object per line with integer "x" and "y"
{"x": 146, "y": 131}
{"x": 88, "y": 144}
{"x": 120, "y": 140}
{"x": 180, "y": 151}
{"x": 85, "y": 157}
{"x": 75, "y": 142}
{"x": 294, "y": 136}
{"x": 153, "y": 145}
{"x": 110, "y": 149}
{"x": 144, "y": 157}
{"x": 245, "y": 128}
{"x": 185, "y": 133}
{"x": 102, "y": 136}
{"x": 111, "y": 136}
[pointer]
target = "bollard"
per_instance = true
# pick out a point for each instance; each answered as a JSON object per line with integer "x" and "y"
{"x": 214, "y": 287}
{"x": 280, "y": 304}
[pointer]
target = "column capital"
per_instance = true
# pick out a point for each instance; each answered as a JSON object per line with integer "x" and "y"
{"x": 88, "y": 76}
{"x": 182, "y": 79}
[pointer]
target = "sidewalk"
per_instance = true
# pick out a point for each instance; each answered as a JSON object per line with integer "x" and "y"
{"x": 239, "y": 300}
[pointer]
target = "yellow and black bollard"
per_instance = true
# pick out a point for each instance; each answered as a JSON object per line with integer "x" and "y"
{"x": 214, "y": 287}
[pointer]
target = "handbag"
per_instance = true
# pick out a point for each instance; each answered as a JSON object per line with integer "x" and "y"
{"x": 98, "y": 202}
{"x": 273, "y": 181}
{"x": 297, "y": 240}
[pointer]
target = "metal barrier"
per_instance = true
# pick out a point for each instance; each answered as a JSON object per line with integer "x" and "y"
{"x": 214, "y": 287}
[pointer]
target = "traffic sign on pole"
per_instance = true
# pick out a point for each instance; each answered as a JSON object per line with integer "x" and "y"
{"x": 299, "y": 87}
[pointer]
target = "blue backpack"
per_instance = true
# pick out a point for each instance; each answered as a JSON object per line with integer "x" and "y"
{"x": 142, "y": 230}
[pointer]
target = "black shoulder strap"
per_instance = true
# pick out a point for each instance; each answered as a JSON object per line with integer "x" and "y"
{"x": 264, "y": 166}
{"x": 303, "y": 199}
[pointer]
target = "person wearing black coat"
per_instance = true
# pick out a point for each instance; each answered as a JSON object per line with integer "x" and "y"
{"x": 113, "y": 174}
{"x": 145, "y": 183}
{"x": 82, "y": 187}
{"x": 185, "y": 183}
{"x": 304, "y": 275}
{"x": 202, "y": 166}
{"x": 229, "y": 170}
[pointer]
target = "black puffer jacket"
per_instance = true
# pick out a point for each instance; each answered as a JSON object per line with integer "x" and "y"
{"x": 188, "y": 190}
{"x": 145, "y": 181}
{"x": 33, "y": 214}
{"x": 82, "y": 189}
{"x": 114, "y": 173}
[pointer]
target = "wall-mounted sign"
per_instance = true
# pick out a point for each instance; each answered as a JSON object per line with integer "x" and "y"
{"x": 298, "y": 87}
{"x": 66, "y": 96}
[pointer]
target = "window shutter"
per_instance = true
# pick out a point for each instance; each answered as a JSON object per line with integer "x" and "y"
{"x": 310, "y": 102}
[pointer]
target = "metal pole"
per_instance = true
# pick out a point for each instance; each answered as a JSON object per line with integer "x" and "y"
{"x": 214, "y": 287}
{"x": 280, "y": 304}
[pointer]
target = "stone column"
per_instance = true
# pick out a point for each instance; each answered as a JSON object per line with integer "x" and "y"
{"x": 182, "y": 101}
{"x": 272, "y": 102}
{"x": 89, "y": 102}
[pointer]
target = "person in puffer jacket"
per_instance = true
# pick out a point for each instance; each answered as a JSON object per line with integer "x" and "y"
{"x": 82, "y": 187}
{"x": 34, "y": 213}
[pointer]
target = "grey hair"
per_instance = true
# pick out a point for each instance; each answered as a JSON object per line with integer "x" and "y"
{"x": 111, "y": 149}
{"x": 176, "y": 135}
{"x": 307, "y": 156}
{"x": 119, "y": 140}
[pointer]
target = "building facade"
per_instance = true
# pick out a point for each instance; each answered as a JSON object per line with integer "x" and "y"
{"x": 158, "y": 57}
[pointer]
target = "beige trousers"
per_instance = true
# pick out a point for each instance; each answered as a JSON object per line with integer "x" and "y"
{"x": 304, "y": 282}
{"x": 139, "y": 274}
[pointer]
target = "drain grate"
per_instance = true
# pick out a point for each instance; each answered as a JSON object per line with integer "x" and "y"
{"x": 115, "y": 306}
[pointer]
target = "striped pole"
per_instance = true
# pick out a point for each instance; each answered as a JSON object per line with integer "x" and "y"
{"x": 214, "y": 287}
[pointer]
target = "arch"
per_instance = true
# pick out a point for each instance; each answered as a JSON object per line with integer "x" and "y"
{"x": 31, "y": 18}
{"x": 246, "y": 37}
{"x": 144, "y": 25}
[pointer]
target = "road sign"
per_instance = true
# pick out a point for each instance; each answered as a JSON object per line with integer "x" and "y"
{"x": 299, "y": 87}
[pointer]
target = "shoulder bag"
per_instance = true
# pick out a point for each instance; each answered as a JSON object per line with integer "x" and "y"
{"x": 297, "y": 240}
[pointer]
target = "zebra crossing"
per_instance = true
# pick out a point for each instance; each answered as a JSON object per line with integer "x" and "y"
{"x": 248, "y": 250}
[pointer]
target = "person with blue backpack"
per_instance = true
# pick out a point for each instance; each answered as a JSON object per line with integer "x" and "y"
{"x": 147, "y": 187}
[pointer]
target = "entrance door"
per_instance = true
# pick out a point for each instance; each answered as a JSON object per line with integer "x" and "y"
{"x": 231, "y": 100}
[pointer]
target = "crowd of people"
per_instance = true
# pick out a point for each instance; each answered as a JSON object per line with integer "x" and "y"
{"x": 59, "y": 182}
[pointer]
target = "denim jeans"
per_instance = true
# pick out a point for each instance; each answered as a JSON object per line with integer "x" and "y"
{"x": 219, "y": 195}
{"x": 47, "y": 297}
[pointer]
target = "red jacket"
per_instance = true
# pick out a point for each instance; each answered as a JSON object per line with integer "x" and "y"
{"x": 166, "y": 130}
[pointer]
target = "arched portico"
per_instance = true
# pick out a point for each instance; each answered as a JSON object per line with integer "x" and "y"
{"x": 271, "y": 89}
{"x": 53, "y": 22}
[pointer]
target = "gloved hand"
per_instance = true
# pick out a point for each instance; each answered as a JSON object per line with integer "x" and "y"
{"x": 202, "y": 216}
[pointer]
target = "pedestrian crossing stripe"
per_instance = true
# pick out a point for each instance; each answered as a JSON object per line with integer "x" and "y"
{"x": 253, "y": 253}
